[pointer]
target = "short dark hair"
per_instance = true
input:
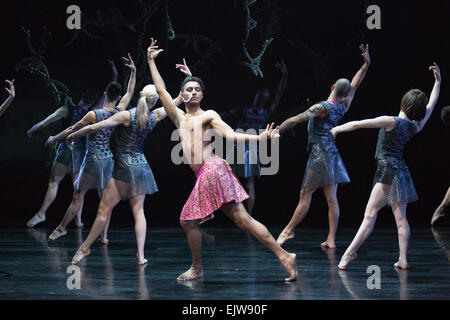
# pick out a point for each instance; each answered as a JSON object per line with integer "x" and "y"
{"x": 342, "y": 88}
{"x": 414, "y": 104}
{"x": 90, "y": 96}
{"x": 445, "y": 115}
{"x": 113, "y": 91}
{"x": 195, "y": 79}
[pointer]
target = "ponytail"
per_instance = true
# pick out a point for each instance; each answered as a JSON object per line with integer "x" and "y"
{"x": 149, "y": 92}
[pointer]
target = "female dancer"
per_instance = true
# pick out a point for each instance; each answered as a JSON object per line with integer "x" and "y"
{"x": 98, "y": 163}
{"x": 132, "y": 177}
{"x": 12, "y": 94}
{"x": 392, "y": 183}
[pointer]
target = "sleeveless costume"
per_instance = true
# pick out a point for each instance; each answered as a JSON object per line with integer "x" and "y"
{"x": 71, "y": 156}
{"x": 98, "y": 163}
{"x": 325, "y": 166}
{"x": 256, "y": 121}
{"x": 130, "y": 164}
{"x": 391, "y": 167}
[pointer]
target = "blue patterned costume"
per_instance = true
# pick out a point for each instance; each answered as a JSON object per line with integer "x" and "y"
{"x": 130, "y": 165}
{"x": 392, "y": 169}
{"x": 325, "y": 166}
{"x": 256, "y": 121}
{"x": 98, "y": 162}
{"x": 71, "y": 156}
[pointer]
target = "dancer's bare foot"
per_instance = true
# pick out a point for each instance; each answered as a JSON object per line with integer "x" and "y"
{"x": 80, "y": 255}
{"x": 79, "y": 224}
{"x": 37, "y": 218}
{"x": 328, "y": 244}
{"x": 290, "y": 264}
{"x": 401, "y": 265}
{"x": 191, "y": 274}
{"x": 57, "y": 233}
{"x": 345, "y": 260}
{"x": 283, "y": 237}
{"x": 141, "y": 260}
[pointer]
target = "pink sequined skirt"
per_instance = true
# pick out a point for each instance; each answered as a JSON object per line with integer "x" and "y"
{"x": 216, "y": 184}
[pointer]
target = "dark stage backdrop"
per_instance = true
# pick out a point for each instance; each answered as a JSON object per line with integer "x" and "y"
{"x": 318, "y": 40}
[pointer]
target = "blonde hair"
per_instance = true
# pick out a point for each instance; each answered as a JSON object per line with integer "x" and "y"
{"x": 148, "y": 93}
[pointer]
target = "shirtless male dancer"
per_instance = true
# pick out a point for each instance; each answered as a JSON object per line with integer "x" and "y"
{"x": 216, "y": 186}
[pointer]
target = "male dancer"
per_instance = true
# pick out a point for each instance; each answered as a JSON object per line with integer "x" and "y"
{"x": 216, "y": 186}
{"x": 12, "y": 94}
{"x": 98, "y": 163}
{"x": 67, "y": 160}
{"x": 324, "y": 168}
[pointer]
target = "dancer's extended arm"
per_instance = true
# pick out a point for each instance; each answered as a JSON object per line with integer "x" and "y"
{"x": 131, "y": 84}
{"x": 12, "y": 94}
{"x": 359, "y": 77}
{"x": 314, "y": 111}
{"x": 120, "y": 118}
{"x": 433, "y": 96}
{"x": 59, "y": 114}
{"x": 88, "y": 119}
{"x": 386, "y": 122}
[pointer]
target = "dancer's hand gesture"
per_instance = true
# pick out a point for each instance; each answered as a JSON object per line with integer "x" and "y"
{"x": 282, "y": 66}
{"x": 50, "y": 141}
{"x": 335, "y": 131}
{"x": 365, "y": 53}
{"x": 270, "y": 133}
{"x": 184, "y": 68}
{"x": 10, "y": 90}
{"x": 153, "y": 51}
{"x": 129, "y": 62}
{"x": 436, "y": 71}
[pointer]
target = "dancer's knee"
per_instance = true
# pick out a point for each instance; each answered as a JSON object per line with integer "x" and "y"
{"x": 370, "y": 214}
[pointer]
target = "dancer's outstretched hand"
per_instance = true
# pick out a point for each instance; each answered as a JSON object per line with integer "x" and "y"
{"x": 436, "y": 71}
{"x": 365, "y": 53}
{"x": 282, "y": 66}
{"x": 153, "y": 51}
{"x": 184, "y": 68}
{"x": 270, "y": 132}
{"x": 11, "y": 89}
{"x": 50, "y": 141}
{"x": 129, "y": 62}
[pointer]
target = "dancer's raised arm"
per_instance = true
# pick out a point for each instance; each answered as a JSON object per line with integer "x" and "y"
{"x": 433, "y": 96}
{"x": 281, "y": 87}
{"x": 314, "y": 111}
{"x": 173, "y": 112}
{"x": 131, "y": 84}
{"x": 359, "y": 76}
{"x": 12, "y": 94}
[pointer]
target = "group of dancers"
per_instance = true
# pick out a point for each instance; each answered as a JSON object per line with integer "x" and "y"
{"x": 127, "y": 175}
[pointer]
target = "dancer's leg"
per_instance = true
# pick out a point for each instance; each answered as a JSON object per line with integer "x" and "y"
{"x": 78, "y": 222}
{"x": 104, "y": 234}
{"x": 376, "y": 201}
{"x": 72, "y": 211}
{"x": 330, "y": 193}
{"x": 140, "y": 225}
{"x": 194, "y": 237}
{"x": 399, "y": 210}
{"x": 299, "y": 214}
{"x": 249, "y": 184}
{"x": 50, "y": 196}
{"x": 238, "y": 214}
{"x": 442, "y": 209}
{"x": 109, "y": 200}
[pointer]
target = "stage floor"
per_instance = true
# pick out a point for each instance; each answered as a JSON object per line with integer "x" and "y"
{"x": 236, "y": 266}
